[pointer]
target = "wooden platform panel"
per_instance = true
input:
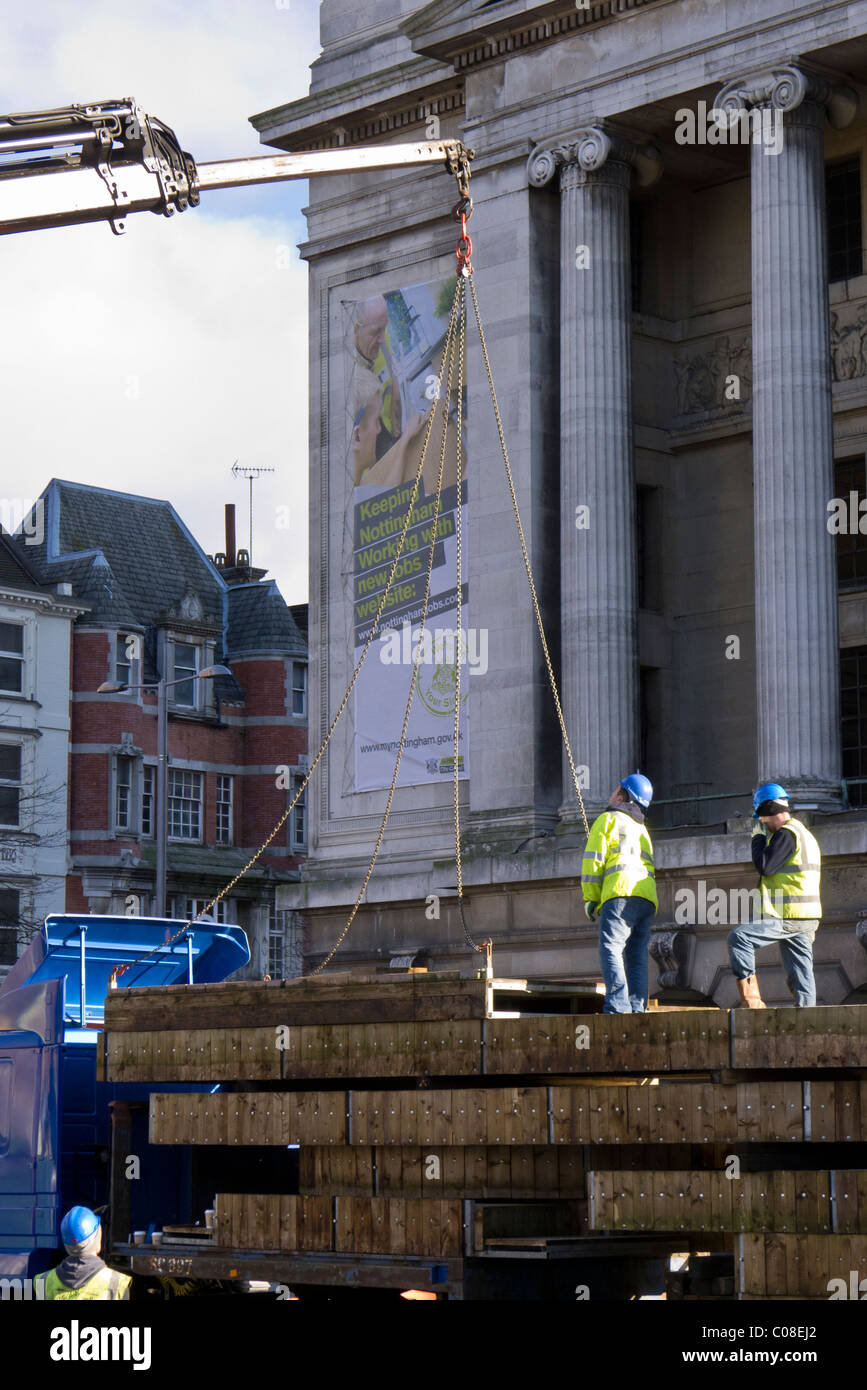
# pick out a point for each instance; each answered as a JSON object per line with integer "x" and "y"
{"x": 801, "y": 1266}
{"x": 362, "y": 1225}
{"x": 681, "y": 1040}
{"x": 295, "y": 1003}
{"x": 207, "y": 1055}
{"x": 830, "y": 1035}
{"x": 670, "y": 1112}
{"x": 492, "y": 1170}
{"x": 524, "y": 1049}
{"x": 540, "y": 1047}
{"x": 779, "y": 1202}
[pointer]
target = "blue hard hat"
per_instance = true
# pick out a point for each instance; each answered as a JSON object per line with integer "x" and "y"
{"x": 768, "y": 791}
{"x": 640, "y": 789}
{"x": 78, "y": 1225}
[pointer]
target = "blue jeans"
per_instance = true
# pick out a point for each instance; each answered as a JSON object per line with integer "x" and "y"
{"x": 624, "y": 936}
{"x": 796, "y": 949}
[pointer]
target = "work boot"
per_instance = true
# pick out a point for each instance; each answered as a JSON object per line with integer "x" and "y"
{"x": 748, "y": 989}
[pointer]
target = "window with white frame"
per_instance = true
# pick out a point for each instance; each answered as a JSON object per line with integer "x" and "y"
{"x": 12, "y": 658}
{"x": 9, "y": 923}
{"x": 298, "y": 819}
{"x": 299, "y": 687}
{"x": 224, "y": 809}
{"x": 148, "y": 792}
{"x": 185, "y": 804}
{"x": 285, "y": 953}
{"x": 127, "y": 657}
{"x": 185, "y": 909}
{"x": 10, "y": 784}
{"x": 185, "y": 667}
{"x": 123, "y": 802}
{"x": 276, "y": 944}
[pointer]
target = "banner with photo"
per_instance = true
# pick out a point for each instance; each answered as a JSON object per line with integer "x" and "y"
{"x": 394, "y": 343}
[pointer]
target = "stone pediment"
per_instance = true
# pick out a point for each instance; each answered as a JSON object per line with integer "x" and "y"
{"x": 190, "y": 607}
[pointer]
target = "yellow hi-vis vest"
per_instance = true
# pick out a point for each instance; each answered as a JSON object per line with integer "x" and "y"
{"x": 796, "y": 887}
{"x": 618, "y": 860}
{"x": 105, "y": 1284}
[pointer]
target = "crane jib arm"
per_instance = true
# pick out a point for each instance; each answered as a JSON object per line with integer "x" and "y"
{"x": 101, "y": 162}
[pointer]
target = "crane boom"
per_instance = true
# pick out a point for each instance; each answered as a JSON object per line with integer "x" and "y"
{"x": 104, "y": 161}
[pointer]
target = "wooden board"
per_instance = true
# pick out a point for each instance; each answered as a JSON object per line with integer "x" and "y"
{"x": 844, "y": 1207}
{"x": 778, "y": 1203}
{"x": 799, "y": 1266}
{"x": 829, "y": 1035}
{"x": 295, "y": 1003}
{"x": 684, "y": 1113}
{"x": 314, "y": 1223}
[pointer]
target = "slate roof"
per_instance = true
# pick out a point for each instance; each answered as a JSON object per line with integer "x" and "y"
{"x": 261, "y": 621}
{"x": 133, "y": 561}
{"x": 15, "y": 572}
{"x": 299, "y": 613}
{"x": 131, "y": 558}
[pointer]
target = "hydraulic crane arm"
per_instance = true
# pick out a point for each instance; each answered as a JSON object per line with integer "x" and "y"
{"x": 101, "y": 162}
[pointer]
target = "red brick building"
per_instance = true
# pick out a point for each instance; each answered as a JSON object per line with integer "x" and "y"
{"x": 160, "y": 607}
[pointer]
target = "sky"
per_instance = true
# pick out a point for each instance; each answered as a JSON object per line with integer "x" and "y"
{"x": 149, "y": 363}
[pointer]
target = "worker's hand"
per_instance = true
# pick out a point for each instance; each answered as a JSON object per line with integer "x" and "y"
{"x": 414, "y": 425}
{"x": 592, "y": 909}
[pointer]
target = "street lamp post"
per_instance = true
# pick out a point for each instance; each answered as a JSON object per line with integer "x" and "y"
{"x": 161, "y": 815}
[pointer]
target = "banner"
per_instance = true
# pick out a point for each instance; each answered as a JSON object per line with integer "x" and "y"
{"x": 395, "y": 344}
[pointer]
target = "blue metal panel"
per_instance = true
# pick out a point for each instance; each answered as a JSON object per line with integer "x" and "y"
{"x": 54, "y": 1115}
{"x": 32, "y": 1008}
{"x": 55, "y": 953}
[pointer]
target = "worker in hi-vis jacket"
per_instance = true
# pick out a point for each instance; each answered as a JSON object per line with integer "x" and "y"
{"x": 619, "y": 885}
{"x": 82, "y": 1274}
{"x": 787, "y": 858}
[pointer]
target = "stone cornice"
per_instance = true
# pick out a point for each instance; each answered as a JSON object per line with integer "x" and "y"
{"x": 52, "y": 605}
{"x": 468, "y": 35}
{"x": 592, "y": 148}
{"x": 785, "y": 88}
{"x": 363, "y": 109}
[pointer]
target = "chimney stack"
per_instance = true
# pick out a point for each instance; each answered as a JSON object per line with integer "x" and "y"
{"x": 230, "y": 535}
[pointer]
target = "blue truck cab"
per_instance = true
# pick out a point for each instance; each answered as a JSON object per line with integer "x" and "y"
{"x": 54, "y": 1114}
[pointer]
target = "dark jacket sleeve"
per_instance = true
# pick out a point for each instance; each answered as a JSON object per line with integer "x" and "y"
{"x": 772, "y": 855}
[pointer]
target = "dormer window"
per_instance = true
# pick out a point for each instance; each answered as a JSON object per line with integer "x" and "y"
{"x": 185, "y": 669}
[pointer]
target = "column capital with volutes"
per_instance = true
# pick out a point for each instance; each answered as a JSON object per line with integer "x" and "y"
{"x": 588, "y": 151}
{"x": 785, "y": 88}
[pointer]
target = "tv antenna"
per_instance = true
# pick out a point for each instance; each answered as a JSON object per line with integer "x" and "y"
{"x": 240, "y": 470}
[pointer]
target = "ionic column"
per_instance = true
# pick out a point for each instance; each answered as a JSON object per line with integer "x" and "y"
{"x": 599, "y": 663}
{"x": 797, "y": 647}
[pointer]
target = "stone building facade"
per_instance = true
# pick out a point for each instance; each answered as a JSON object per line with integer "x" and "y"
{"x": 36, "y": 624}
{"x": 676, "y": 309}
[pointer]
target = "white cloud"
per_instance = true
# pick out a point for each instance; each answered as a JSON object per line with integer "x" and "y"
{"x": 150, "y": 363}
{"x": 194, "y": 313}
{"x": 204, "y": 68}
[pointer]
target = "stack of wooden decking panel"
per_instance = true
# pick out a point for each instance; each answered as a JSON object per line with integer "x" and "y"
{"x": 439, "y": 1130}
